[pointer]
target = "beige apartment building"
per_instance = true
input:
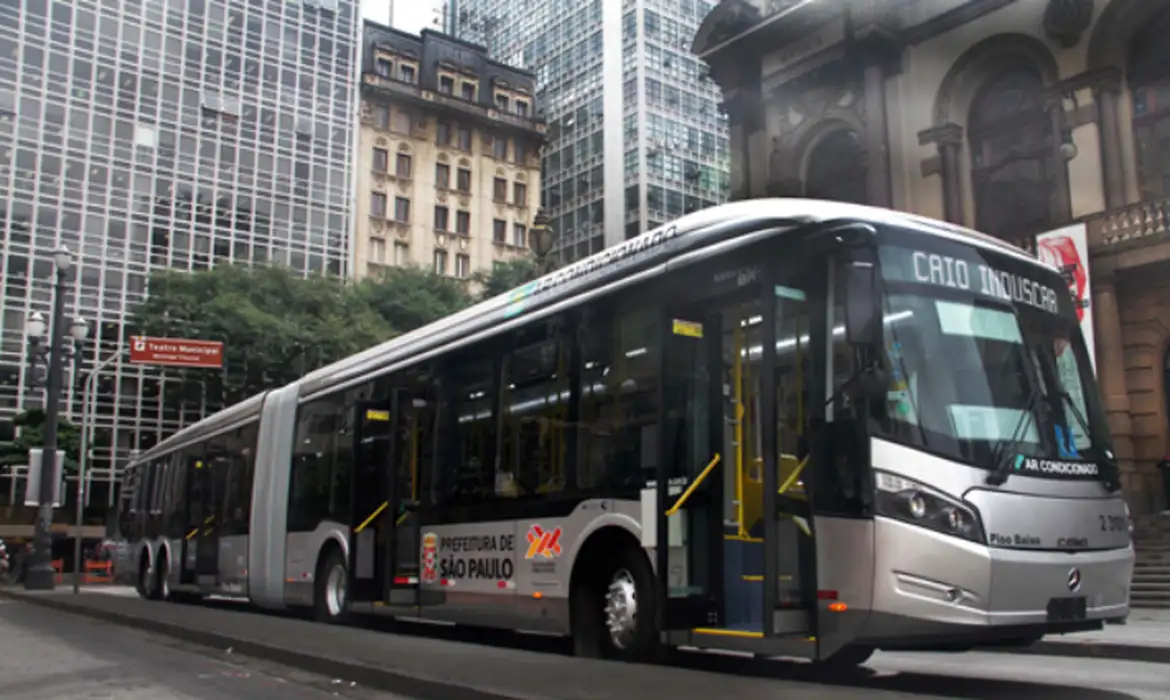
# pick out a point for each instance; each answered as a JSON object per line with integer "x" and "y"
{"x": 448, "y": 170}
{"x": 1016, "y": 117}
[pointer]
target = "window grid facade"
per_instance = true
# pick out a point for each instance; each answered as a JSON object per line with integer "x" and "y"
{"x": 146, "y": 135}
{"x": 608, "y": 177}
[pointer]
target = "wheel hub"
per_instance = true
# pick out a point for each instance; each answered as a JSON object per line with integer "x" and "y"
{"x": 335, "y": 591}
{"x": 621, "y": 609}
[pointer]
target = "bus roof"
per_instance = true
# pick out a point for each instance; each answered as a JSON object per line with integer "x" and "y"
{"x": 658, "y": 246}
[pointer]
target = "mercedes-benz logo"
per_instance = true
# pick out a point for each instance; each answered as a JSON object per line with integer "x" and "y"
{"x": 1074, "y": 579}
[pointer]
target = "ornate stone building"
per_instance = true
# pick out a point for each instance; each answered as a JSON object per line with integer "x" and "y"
{"x": 448, "y": 168}
{"x": 1015, "y": 117}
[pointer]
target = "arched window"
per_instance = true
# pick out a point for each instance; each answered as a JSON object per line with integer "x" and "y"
{"x": 1148, "y": 76}
{"x": 836, "y": 169}
{"x": 1011, "y": 155}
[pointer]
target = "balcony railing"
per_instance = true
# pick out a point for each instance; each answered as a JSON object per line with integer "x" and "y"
{"x": 1132, "y": 223}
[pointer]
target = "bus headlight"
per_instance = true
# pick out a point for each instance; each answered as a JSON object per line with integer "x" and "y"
{"x": 911, "y": 502}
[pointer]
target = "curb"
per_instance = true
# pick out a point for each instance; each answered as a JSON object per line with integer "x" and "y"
{"x": 362, "y": 674}
{"x": 429, "y": 689}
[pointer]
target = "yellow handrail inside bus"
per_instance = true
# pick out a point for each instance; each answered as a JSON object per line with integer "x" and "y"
{"x": 794, "y": 476}
{"x": 370, "y": 519}
{"x": 694, "y": 485}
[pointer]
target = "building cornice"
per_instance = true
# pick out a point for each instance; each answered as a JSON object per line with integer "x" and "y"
{"x": 964, "y": 14}
{"x": 380, "y": 88}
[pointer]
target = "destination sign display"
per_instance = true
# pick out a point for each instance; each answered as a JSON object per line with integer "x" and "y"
{"x": 975, "y": 274}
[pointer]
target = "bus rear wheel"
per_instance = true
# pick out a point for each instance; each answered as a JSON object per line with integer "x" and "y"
{"x": 162, "y": 583}
{"x": 144, "y": 585}
{"x": 615, "y": 610}
{"x": 329, "y": 589}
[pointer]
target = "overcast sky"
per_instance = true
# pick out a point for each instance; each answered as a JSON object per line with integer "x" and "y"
{"x": 409, "y": 15}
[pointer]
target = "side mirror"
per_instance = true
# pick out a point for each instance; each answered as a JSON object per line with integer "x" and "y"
{"x": 863, "y": 308}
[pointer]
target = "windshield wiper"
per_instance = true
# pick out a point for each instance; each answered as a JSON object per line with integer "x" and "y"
{"x": 1108, "y": 466}
{"x": 1003, "y": 457}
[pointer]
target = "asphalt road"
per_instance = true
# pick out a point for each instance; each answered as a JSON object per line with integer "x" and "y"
{"x": 46, "y": 655}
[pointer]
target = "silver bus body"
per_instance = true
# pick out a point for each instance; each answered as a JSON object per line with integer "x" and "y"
{"x": 1042, "y": 554}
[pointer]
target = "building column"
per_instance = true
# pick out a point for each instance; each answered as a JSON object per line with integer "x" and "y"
{"x": 739, "y": 81}
{"x": 1060, "y": 206}
{"x": 1106, "y": 93}
{"x": 880, "y": 60}
{"x": 1111, "y": 375}
{"x": 949, "y": 140}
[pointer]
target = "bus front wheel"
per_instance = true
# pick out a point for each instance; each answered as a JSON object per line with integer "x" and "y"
{"x": 615, "y": 610}
{"x": 329, "y": 589}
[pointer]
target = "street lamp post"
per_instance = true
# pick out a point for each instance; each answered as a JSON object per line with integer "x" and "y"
{"x": 541, "y": 238}
{"x": 47, "y": 345}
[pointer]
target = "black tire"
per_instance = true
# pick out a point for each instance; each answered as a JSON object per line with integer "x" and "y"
{"x": 327, "y": 607}
{"x": 846, "y": 659}
{"x": 144, "y": 584}
{"x": 628, "y": 578}
{"x": 160, "y": 586}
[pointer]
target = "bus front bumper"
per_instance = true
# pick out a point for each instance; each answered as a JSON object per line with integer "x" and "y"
{"x": 930, "y": 588}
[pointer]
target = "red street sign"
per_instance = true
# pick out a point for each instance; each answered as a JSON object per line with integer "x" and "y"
{"x": 175, "y": 352}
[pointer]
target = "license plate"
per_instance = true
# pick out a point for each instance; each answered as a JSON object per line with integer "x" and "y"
{"x": 1067, "y": 609}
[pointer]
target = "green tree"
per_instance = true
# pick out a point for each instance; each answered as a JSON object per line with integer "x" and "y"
{"x": 410, "y": 297}
{"x": 275, "y": 324}
{"x": 505, "y": 276}
{"x": 31, "y": 423}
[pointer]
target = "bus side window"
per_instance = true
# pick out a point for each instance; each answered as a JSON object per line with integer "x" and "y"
{"x": 176, "y": 521}
{"x": 429, "y": 416}
{"x": 535, "y": 407}
{"x": 246, "y": 461}
{"x": 618, "y": 402}
{"x": 472, "y": 424}
{"x": 318, "y": 440}
{"x": 126, "y": 512}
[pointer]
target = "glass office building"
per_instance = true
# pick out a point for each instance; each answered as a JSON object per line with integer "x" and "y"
{"x": 148, "y": 134}
{"x": 636, "y": 136}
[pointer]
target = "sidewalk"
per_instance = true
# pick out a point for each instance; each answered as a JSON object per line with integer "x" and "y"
{"x": 1145, "y": 637}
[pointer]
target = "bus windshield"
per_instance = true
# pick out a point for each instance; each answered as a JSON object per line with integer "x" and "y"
{"x": 987, "y": 362}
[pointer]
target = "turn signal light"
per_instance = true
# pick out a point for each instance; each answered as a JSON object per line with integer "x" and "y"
{"x": 838, "y": 607}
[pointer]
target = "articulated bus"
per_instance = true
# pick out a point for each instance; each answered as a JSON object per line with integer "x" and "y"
{"x": 782, "y": 427}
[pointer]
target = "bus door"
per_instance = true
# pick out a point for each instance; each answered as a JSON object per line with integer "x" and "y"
{"x": 200, "y": 542}
{"x": 370, "y": 496}
{"x": 413, "y": 415}
{"x": 792, "y": 363}
{"x": 747, "y": 551}
{"x": 702, "y": 450}
{"x": 384, "y": 546}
